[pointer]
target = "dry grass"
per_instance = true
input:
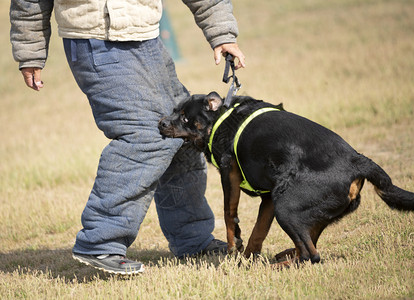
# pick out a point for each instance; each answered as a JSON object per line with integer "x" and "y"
{"x": 347, "y": 64}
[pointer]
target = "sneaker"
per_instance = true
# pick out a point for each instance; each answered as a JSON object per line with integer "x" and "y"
{"x": 115, "y": 264}
{"x": 215, "y": 247}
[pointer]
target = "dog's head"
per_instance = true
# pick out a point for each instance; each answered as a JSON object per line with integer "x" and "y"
{"x": 193, "y": 119}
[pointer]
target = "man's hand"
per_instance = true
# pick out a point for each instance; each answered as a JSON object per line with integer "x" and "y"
{"x": 32, "y": 78}
{"x": 234, "y": 50}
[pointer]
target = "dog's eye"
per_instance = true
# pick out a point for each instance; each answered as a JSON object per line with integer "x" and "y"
{"x": 184, "y": 119}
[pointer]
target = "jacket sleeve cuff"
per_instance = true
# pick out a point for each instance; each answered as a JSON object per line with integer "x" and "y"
{"x": 32, "y": 64}
{"x": 230, "y": 39}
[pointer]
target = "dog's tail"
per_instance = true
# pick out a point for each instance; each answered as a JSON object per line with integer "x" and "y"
{"x": 394, "y": 196}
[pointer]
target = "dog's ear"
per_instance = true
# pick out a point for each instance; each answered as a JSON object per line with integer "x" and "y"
{"x": 213, "y": 101}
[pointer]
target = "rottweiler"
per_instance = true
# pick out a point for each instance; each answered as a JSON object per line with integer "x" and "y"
{"x": 306, "y": 175}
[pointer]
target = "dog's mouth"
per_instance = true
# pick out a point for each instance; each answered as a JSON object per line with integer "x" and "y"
{"x": 178, "y": 135}
{"x": 171, "y": 132}
{"x": 165, "y": 128}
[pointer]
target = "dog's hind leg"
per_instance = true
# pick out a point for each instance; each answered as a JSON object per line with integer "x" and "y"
{"x": 294, "y": 215}
{"x": 304, "y": 247}
{"x": 262, "y": 226}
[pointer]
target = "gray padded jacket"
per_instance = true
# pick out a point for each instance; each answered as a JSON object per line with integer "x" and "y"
{"x": 115, "y": 20}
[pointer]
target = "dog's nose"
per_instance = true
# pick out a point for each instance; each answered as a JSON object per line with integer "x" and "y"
{"x": 163, "y": 123}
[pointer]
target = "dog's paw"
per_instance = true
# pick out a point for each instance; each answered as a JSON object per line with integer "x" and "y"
{"x": 286, "y": 255}
{"x": 236, "y": 246}
{"x": 239, "y": 244}
{"x": 232, "y": 250}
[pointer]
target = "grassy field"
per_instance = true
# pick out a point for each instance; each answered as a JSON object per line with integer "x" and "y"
{"x": 347, "y": 64}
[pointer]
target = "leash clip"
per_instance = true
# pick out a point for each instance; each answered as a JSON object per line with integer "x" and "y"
{"x": 235, "y": 84}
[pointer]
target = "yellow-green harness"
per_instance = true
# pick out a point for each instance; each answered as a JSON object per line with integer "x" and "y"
{"x": 244, "y": 184}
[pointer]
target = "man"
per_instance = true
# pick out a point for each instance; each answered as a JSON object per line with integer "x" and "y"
{"x": 118, "y": 61}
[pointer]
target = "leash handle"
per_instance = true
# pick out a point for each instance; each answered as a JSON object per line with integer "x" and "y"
{"x": 235, "y": 84}
{"x": 229, "y": 64}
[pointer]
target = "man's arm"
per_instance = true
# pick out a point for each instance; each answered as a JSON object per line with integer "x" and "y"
{"x": 216, "y": 20}
{"x": 29, "y": 35}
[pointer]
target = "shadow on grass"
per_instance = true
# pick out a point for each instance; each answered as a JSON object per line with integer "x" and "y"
{"x": 59, "y": 263}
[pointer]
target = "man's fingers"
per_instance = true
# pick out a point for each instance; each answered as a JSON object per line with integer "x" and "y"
{"x": 242, "y": 63}
{"x": 28, "y": 77}
{"x": 217, "y": 55}
{"x": 234, "y": 50}
{"x": 37, "y": 79}
{"x": 32, "y": 78}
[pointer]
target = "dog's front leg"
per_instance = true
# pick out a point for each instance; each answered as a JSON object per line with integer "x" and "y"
{"x": 230, "y": 180}
{"x": 262, "y": 226}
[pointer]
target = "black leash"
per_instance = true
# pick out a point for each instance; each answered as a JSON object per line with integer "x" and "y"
{"x": 235, "y": 84}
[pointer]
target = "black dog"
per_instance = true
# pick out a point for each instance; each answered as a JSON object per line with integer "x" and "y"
{"x": 307, "y": 176}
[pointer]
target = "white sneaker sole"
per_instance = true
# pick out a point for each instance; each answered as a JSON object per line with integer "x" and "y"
{"x": 131, "y": 272}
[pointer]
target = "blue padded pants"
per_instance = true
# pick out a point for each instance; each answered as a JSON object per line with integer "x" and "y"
{"x": 130, "y": 86}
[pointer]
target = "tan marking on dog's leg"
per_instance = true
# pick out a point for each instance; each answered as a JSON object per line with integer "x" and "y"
{"x": 355, "y": 188}
{"x": 262, "y": 226}
{"x": 282, "y": 265}
{"x": 287, "y": 258}
{"x": 314, "y": 255}
{"x": 378, "y": 191}
{"x": 231, "y": 204}
{"x": 286, "y": 255}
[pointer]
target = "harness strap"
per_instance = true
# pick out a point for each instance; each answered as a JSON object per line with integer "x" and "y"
{"x": 245, "y": 184}
{"x": 213, "y": 131}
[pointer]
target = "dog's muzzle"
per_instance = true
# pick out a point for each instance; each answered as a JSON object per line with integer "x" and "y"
{"x": 164, "y": 127}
